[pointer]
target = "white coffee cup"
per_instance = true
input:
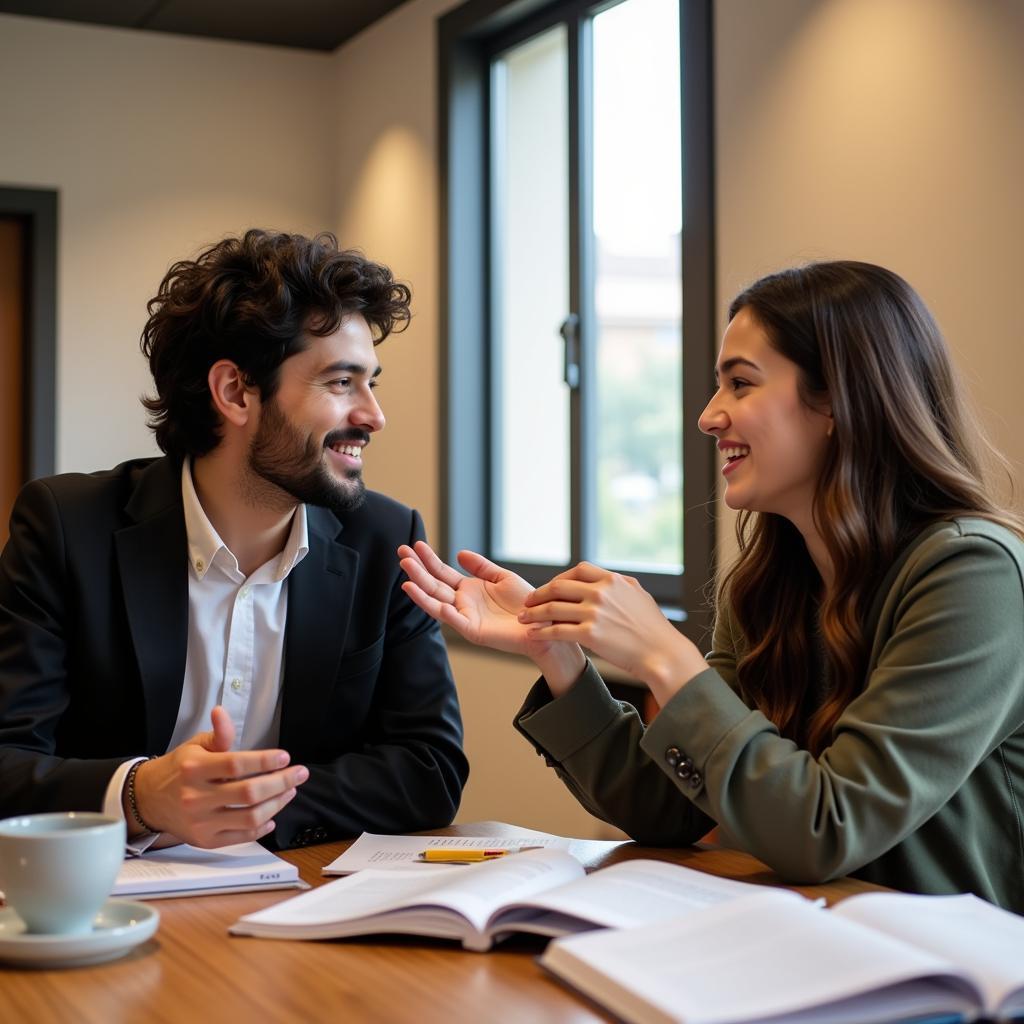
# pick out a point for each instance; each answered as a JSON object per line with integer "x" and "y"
{"x": 57, "y": 870}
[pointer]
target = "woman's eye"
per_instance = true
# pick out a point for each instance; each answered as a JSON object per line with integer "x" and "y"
{"x": 738, "y": 382}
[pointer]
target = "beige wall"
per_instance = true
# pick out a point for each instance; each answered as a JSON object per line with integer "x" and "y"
{"x": 887, "y": 131}
{"x": 157, "y": 144}
{"x": 386, "y": 184}
{"x": 884, "y": 130}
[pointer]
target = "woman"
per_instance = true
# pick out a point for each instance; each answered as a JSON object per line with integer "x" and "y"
{"x": 862, "y": 709}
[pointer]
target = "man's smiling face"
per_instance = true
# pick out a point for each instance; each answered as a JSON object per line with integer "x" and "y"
{"x": 313, "y": 432}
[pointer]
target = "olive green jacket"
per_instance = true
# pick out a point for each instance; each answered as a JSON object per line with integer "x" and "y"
{"x": 922, "y": 786}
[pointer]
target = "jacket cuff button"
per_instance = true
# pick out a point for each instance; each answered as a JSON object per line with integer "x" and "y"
{"x": 673, "y": 756}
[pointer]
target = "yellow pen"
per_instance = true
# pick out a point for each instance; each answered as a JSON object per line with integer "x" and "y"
{"x": 443, "y": 855}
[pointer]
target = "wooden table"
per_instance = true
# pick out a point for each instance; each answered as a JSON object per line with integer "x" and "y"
{"x": 192, "y": 971}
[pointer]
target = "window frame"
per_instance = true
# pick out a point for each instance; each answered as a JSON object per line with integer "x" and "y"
{"x": 469, "y": 37}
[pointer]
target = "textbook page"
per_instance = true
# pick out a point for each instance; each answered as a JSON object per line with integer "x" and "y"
{"x": 634, "y": 892}
{"x": 543, "y": 892}
{"x": 974, "y": 934}
{"x": 376, "y": 851}
{"x": 798, "y": 964}
{"x": 409, "y": 901}
{"x": 187, "y": 870}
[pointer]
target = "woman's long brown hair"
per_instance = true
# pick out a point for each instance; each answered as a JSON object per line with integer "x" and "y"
{"x": 905, "y": 452}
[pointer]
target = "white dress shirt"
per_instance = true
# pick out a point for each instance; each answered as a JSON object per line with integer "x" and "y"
{"x": 235, "y": 653}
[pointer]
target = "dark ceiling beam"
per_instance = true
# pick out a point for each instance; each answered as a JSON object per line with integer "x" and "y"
{"x": 321, "y": 25}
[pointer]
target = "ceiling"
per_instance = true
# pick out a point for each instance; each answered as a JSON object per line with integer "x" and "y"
{"x": 308, "y": 24}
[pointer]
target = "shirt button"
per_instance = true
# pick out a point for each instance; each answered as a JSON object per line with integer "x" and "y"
{"x": 200, "y": 565}
{"x": 236, "y": 685}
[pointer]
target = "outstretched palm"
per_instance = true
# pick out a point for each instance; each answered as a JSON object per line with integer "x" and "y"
{"x": 482, "y": 607}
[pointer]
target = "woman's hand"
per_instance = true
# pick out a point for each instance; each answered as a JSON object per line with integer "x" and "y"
{"x": 484, "y": 608}
{"x": 613, "y": 616}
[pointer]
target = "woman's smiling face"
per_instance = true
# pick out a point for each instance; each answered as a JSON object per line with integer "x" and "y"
{"x": 774, "y": 444}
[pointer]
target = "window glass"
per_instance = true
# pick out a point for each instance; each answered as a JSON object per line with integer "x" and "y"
{"x": 530, "y": 300}
{"x": 637, "y": 220}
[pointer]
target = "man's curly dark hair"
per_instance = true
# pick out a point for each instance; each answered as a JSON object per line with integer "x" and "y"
{"x": 252, "y": 300}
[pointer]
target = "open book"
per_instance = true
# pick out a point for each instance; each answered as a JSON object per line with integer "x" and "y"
{"x": 188, "y": 871}
{"x": 874, "y": 957}
{"x": 541, "y": 891}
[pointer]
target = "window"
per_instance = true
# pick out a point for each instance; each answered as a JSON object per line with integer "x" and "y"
{"x": 578, "y": 288}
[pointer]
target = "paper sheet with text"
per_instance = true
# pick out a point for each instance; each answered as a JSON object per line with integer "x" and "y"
{"x": 374, "y": 851}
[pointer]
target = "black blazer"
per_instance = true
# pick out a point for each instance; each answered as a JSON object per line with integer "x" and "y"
{"x": 93, "y": 632}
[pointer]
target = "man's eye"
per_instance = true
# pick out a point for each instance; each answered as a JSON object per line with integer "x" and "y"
{"x": 374, "y": 384}
{"x": 341, "y": 382}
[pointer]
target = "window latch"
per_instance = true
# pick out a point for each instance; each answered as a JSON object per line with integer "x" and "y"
{"x": 570, "y": 332}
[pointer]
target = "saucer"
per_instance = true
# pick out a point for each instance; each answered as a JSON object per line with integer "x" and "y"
{"x": 118, "y": 927}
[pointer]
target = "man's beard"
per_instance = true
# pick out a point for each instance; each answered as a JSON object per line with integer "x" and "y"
{"x": 279, "y": 455}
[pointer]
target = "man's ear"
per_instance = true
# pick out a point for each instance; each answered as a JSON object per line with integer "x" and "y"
{"x": 233, "y": 398}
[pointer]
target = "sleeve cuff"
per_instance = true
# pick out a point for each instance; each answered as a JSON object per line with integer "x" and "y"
{"x": 560, "y": 726}
{"x": 113, "y": 808}
{"x": 694, "y": 722}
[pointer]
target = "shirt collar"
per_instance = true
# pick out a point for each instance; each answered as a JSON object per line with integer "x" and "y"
{"x": 204, "y": 543}
{"x": 296, "y": 547}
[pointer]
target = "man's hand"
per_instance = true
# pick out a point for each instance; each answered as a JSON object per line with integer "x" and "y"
{"x": 484, "y": 608}
{"x": 205, "y": 794}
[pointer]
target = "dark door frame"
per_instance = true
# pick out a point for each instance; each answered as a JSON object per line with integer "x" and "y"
{"x": 38, "y": 207}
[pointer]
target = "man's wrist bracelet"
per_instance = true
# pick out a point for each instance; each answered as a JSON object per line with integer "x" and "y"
{"x": 129, "y": 786}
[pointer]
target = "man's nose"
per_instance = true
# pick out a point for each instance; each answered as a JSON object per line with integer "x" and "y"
{"x": 368, "y": 414}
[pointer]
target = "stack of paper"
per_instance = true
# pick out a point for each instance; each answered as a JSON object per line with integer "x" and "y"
{"x": 189, "y": 871}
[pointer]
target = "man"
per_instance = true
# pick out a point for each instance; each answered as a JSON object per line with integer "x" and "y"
{"x": 215, "y": 643}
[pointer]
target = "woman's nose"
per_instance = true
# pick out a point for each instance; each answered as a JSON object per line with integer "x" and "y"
{"x": 714, "y": 418}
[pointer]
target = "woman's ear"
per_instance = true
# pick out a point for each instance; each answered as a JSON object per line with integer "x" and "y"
{"x": 824, "y": 408}
{"x": 232, "y": 396}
